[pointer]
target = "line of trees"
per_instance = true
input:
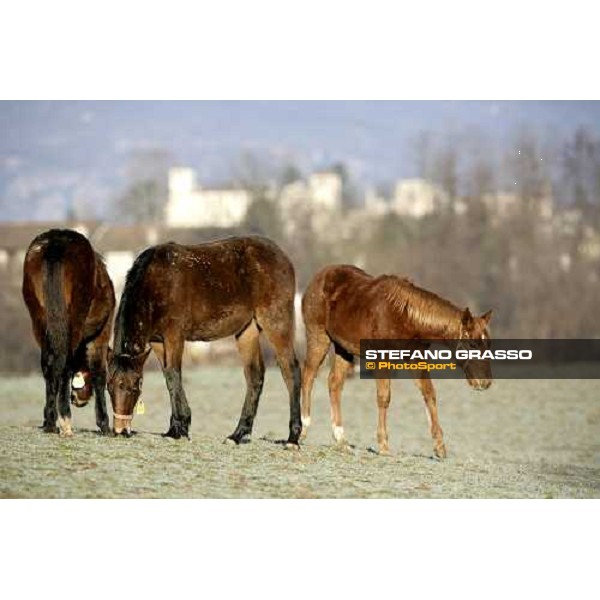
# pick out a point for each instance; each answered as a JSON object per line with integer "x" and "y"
{"x": 540, "y": 274}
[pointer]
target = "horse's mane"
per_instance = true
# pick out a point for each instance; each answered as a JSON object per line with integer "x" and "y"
{"x": 423, "y": 309}
{"x": 129, "y": 299}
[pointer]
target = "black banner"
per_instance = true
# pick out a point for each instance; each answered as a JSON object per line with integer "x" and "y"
{"x": 482, "y": 359}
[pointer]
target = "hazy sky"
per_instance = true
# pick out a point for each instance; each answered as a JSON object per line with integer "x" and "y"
{"x": 53, "y": 153}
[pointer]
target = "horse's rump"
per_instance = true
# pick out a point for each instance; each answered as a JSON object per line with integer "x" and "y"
{"x": 58, "y": 287}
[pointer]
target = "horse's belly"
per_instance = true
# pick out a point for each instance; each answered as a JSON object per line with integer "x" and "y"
{"x": 218, "y": 325}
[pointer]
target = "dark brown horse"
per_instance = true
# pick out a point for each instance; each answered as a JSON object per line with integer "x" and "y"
{"x": 343, "y": 305}
{"x": 71, "y": 301}
{"x": 236, "y": 286}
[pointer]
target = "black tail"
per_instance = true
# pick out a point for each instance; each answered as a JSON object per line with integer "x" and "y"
{"x": 57, "y": 330}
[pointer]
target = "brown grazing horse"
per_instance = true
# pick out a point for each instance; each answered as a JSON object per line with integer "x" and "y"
{"x": 343, "y": 305}
{"x": 238, "y": 286}
{"x": 71, "y": 301}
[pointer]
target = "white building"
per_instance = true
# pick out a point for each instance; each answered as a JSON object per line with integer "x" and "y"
{"x": 325, "y": 190}
{"x": 317, "y": 200}
{"x": 189, "y": 205}
{"x": 417, "y": 198}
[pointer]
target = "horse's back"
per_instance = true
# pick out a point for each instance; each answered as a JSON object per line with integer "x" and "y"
{"x": 255, "y": 263}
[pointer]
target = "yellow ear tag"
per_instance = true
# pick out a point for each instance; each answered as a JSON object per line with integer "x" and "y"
{"x": 140, "y": 408}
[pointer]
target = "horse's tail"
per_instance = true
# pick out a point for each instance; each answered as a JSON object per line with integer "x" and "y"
{"x": 57, "y": 330}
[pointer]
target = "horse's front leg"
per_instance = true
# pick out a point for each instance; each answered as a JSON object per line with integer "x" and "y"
{"x": 97, "y": 362}
{"x": 383, "y": 402}
{"x": 425, "y": 384}
{"x": 181, "y": 415}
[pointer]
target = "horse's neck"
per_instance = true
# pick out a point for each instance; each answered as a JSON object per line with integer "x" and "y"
{"x": 130, "y": 332}
{"x": 449, "y": 330}
{"x": 440, "y": 320}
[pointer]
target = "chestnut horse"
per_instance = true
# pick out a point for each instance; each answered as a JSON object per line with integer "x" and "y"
{"x": 71, "y": 302}
{"x": 343, "y": 305}
{"x": 238, "y": 286}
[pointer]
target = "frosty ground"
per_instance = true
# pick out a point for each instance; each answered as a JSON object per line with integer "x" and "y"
{"x": 519, "y": 439}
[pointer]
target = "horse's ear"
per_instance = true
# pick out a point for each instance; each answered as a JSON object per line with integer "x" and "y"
{"x": 467, "y": 317}
{"x": 139, "y": 360}
{"x": 486, "y": 318}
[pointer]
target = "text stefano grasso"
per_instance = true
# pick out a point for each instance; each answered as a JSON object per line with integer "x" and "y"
{"x": 446, "y": 354}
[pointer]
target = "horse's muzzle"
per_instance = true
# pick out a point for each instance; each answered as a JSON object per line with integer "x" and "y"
{"x": 75, "y": 401}
{"x": 483, "y": 384}
{"x": 122, "y": 425}
{"x": 123, "y": 433}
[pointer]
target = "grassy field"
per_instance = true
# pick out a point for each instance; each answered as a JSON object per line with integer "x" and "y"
{"x": 518, "y": 439}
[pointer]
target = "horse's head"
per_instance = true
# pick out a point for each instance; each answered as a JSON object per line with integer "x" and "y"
{"x": 475, "y": 336}
{"x": 81, "y": 388}
{"x": 125, "y": 386}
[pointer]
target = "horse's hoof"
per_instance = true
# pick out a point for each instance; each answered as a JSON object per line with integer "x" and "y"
{"x": 229, "y": 441}
{"x": 292, "y": 446}
{"x": 176, "y": 433}
{"x": 384, "y": 452}
{"x": 440, "y": 453}
{"x": 66, "y": 434}
{"x": 49, "y": 429}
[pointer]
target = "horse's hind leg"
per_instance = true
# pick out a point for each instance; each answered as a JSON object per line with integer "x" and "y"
{"x": 280, "y": 334}
{"x": 317, "y": 344}
{"x": 170, "y": 359}
{"x": 58, "y": 393}
{"x": 425, "y": 384}
{"x": 337, "y": 376}
{"x": 64, "y": 403}
{"x": 383, "y": 402}
{"x": 50, "y": 414}
{"x": 254, "y": 371}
